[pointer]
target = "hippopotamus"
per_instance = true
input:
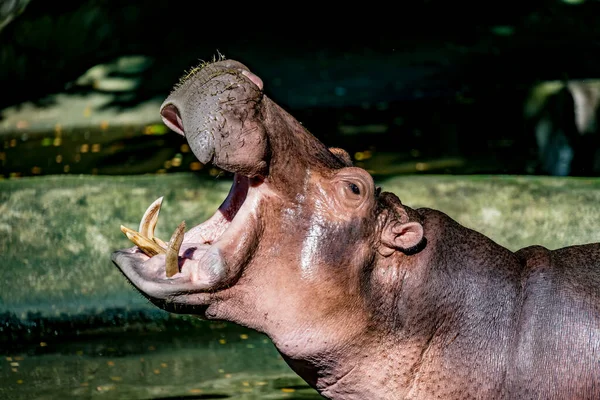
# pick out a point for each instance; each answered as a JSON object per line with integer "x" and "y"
{"x": 364, "y": 296}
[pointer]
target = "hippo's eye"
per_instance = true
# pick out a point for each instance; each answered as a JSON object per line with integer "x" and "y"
{"x": 353, "y": 190}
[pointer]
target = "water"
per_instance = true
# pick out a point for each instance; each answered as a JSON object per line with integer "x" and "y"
{"x": 213, "y": 361}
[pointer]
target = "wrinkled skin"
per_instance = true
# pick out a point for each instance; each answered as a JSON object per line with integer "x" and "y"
{"x": 364, "y": 297}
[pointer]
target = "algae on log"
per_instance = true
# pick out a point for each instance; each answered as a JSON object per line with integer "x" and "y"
{"x": 57, "y": 232}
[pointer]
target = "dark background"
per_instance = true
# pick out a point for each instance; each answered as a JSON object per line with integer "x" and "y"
{"x": 432, "y": 83}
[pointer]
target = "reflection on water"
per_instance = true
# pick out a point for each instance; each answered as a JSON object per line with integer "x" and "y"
{"x": 96, "y": 151}
{"x": 216, "y": 362}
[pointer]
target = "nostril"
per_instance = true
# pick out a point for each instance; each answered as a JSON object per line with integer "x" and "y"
{"x": 255, "y": 79}
{"x": 171, "y": 118}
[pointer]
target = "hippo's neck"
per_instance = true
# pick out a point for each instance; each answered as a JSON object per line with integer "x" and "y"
{"x": 379, "y": 367}
{"x": 455, "y": 312}
{"x": 437, "y": 318}
{"x": 294, "y": 150}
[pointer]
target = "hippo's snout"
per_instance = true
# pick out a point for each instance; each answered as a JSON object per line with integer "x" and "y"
{"x": 168, "y": 110}
{"x": 218, "y": 107}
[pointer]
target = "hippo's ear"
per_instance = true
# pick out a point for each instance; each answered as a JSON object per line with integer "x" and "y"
{"x": 404, "y": 237}
{"x": 342, "y": 155}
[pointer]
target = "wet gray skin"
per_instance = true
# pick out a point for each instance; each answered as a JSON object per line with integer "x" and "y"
{"x": 362, "y": 295}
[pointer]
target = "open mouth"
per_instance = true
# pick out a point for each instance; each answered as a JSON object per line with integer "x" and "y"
{"x": 186, "y": 251}
{"x": 210, "y": 256}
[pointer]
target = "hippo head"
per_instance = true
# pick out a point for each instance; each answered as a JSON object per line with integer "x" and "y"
{"x": 294, "y": 248}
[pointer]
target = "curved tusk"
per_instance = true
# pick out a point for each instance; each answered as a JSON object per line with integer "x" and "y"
{"x": 159, "y": 242}
{"x": 172, "y": 261}
{"x": 150, "y": 218}
{"x": 149, "y": 247}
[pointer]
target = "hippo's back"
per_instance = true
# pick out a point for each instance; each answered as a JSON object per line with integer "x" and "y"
{"x": 557, "y": 346}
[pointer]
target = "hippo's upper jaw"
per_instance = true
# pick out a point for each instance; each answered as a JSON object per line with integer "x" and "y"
{"x": 218, "y": 108}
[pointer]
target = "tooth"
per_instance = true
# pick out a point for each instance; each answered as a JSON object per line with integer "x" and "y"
{"x": 172, "y": 262}
{"x": 147, "y": 246}
{"x": 148, "y": 222}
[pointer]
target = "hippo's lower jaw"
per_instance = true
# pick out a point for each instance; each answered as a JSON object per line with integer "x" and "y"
{"x": 202, "y": 265}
